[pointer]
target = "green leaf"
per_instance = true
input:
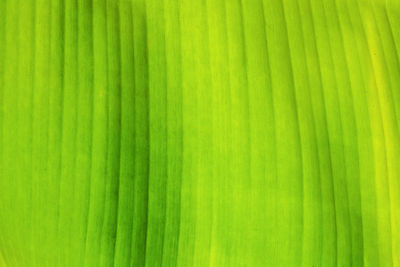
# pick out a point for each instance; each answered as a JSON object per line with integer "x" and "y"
{"x": 199, "y": 133}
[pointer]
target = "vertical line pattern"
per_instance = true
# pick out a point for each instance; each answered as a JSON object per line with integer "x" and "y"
{"x": 25, "y": 94}
{"x": 174, "y": 131}
{"x": 199, "y": 133}
{"x": 329, "y": 232}
{"x": 3, "y": 233}
{"x": 312, "y": 234}
{"x": 10, "y": 118}
{"x": 383, "y": 200}
{"x": 56, "y": 111}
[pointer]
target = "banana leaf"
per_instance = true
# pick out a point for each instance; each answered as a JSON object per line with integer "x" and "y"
{"x": 199, "y": 133}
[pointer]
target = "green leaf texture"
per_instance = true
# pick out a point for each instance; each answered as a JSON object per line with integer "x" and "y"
{"x": 199, "y": 133}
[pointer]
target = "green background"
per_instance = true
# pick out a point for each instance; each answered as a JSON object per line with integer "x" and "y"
{"x": 199, "y": 133}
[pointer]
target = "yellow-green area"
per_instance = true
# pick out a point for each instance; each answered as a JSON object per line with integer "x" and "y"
{"x": 187, "y": 133}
